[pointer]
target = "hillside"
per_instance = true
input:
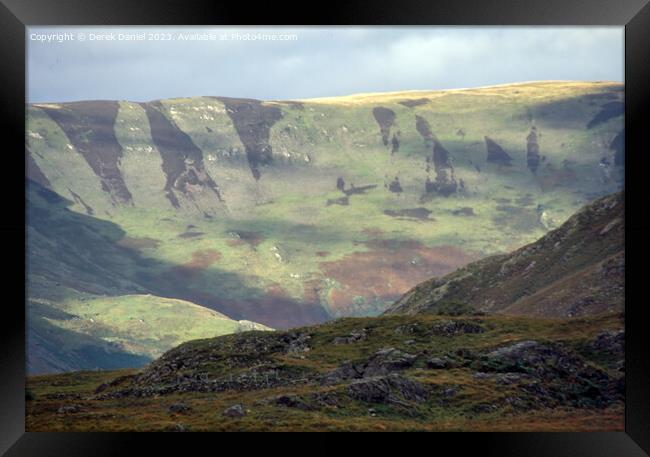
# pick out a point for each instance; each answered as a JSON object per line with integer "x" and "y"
{"x": 84, "y": 309}
{"x": 289, "y": 213}
{"x": 575, "y": 270}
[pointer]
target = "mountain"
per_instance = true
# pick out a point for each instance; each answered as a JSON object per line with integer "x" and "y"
{"x": 295, "y": 212}
{"x": 575, "y": 270}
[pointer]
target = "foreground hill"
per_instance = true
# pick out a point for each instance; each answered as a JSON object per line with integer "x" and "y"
{"x": 577, "y": 269}
{"x": 492, "y": 373}
{"x": 290, "y": 213}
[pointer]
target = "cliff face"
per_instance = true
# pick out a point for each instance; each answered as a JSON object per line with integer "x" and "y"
{"x": 577, "y": 269}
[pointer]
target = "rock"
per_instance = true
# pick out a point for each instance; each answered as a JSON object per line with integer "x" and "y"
{"x": 353, "y": 337}
{"x": 437, "y": 363}
{"x": 235, "y": 411}
{"x": 346, "y": 371}
{"x": 101, "y": 387}
{"x": 453, "y": 328}
{"x": 481, "y": 375}
{"x": 555, "y": 375}
{"x": 178, "y": 408}
{"x": 387, "y": 389}
{"x": 407, "y": 329}
{"x": 291, "y": 401}
{"x": 508, "y": 378}
{"x": 69, "y": 409}
{"x": 612, "y": 342}
{"x": 325, "y": 398}
{"x": 514, "y": 351}
{"x": 450, "y": 391}
{"x": 386, "y": 361}
{"x": 297, "y": 342}
{"x": 484, "y": 408}
{"x": 382, "y": 362}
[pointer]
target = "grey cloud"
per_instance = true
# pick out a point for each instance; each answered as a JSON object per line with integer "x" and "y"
{"x": 322, "y": 62}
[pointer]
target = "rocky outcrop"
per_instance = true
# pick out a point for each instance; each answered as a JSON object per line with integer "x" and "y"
{"x": 387, "y": 389}
{"x": 532, "y": 151}
{"x": 89, "y": 127}
{"x": 253, "y": 121}
{"x": 182, "y": 160}
{"x": 382, "y": 362}
{"x": 385, "y": 118}
{"x": 445, "y": 183}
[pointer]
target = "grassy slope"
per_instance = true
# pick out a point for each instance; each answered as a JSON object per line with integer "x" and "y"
{"x": 327, "y": 138}
{"x": 466, "y": 408}
{"x": 576, "y": 269}
{"x": 86, "y": 314}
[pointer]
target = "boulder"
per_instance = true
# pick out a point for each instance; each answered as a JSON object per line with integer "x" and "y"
{"x": 387, "y": 389}
{"x": 178, "y": 408}
{"x": 386, "y": 361}
{"x": 290, "y": 401}
{"x": 437, "y": 363}
{"x": 235, "y": 411}
{"x": 453, "y": 328}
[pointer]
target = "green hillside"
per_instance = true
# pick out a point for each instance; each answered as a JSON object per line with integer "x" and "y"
{"x": 84, "y": 309}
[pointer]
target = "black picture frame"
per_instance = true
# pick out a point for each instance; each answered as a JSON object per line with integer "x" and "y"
{"x": 15, "y": 15}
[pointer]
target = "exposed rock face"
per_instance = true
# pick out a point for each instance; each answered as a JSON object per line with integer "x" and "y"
{"x": 395, "y": 186}
{"x": 89, "y": 127}
{"x": 423, "y": 128}
{"x": 445, "y": 182}
{"x": 557, "y": 375}
{"x": 253, "y": 121}
{"x": 387, "y": 389}
{"x": 353, "y": 337}
{"x": 178, "y": 408}
{"x": 532, "y": 151}
{"x": 455, "y": 327}
{"x": 395, "y": 144}
{"x": 496, "y": 154}
{"x": 291, "y": 401}
{"x": 235, "y": 411}
{"x": 340, "y": 184}
{"x": 182, "y": 160}
{"x": 382, "y": 362}
{"x": 387, "y": 361}
{"x": 385, "y": 118}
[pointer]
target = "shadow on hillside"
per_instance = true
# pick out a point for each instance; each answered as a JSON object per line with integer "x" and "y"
{"x": 74, "y": 251}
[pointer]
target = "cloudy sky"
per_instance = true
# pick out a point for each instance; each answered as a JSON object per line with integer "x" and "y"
{"x": 307, "y": 62}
